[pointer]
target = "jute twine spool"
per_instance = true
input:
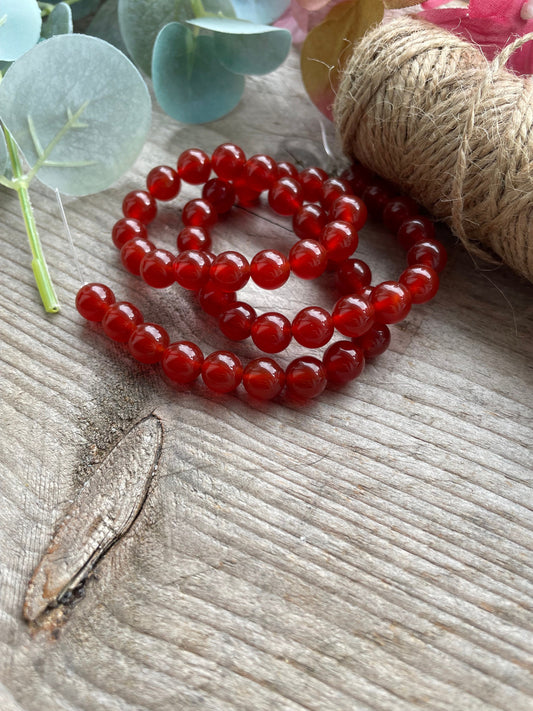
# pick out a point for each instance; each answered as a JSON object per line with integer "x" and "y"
{"x": 425, "y": 109}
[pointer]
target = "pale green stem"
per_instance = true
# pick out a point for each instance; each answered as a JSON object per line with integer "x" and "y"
{"x": 39, "y": 266}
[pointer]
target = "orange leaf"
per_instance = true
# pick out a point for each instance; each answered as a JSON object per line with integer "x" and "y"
{"x": 328, "y": 46}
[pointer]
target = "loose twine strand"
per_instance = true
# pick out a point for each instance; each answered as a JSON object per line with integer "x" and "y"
{"x": 426, "y": 110}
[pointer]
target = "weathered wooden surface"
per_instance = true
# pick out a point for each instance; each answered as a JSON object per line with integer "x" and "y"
{"x": 370, "y": 550}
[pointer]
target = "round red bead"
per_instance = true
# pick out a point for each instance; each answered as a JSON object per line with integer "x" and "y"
{"x": 340, "y": 240}
{"x": 163, "y": 182}
{"x": 192, "y": 268}
{"x": 147, "y": 342}
{"x": 353, "y": 315}
{"x": 133, "y": 252}
{"x": 312, "y": 179}
{"x": 244, "y": 194}
{"x": 343, "y": 361}
{"x": 271, "y": 332}
{"x": 260, "y": 172}
{"x": 194, "y": 166}
{"x": 332, "y": 189}
{"x": 125, "y": 229}
{"x": 285, "y": 197}
{"x": 220, "y": 193}
{"x": 376, "y": 196}
{"x": 222, "y": 371}
{"x": 228, "y": 161}
{"x": 263, "y": 378}
{"x": 349, "y": 208}
{"x": 287, "y": 170}
{"x": 93, "y": 301}
{"x": 309, "y": 222}
{"x": 358, "y": 177}
{"x": 305, "y": 378}
{"x": 270, "y": 269}
{"x": 428, "y": 252}
{"x": 120, "y": 320}
{"x": 213, "y": 300}
{"x": 194, "y": 237}
{"x": 139, "y": 205}
{"x": 199, "y": 213}
{"x": 391, "y": 301}
{"x": 413, "y": 230}
{"x": 236, "y": 321}
{"x": 182, "y": 362}
{"x": 312, "y": 327}
{"x": 397, "y": 211}
{"x": 422, "y": 282}
{"x": 375, "y": 341}
{"x": 157, "y": 270}
{"x": 308, "y": 259}
{"x": 230, "y": 271}
{"x": 353, "y": 275}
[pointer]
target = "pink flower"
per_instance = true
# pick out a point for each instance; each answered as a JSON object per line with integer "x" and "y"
{"x": 492, "y": 24}
{"x": 302, "y": 15}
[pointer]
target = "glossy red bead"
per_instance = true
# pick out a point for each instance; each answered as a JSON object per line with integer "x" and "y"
{"x": 228, "y": 161}
{"x": 349, "y": 208}
{"x": 139, "y": 205}
{"x": 148, "y": 342}
{"x": 308, "y": 259}
{"x": 194, "y": 166}
{"x": 397, "y": 211}
{"x": 163, "y": 182}
{"x": 270, "y": 269}
{"x": 422, "y": 282}
{"x": 271, "y": 332}
{"x": 305, "y": 378}
{"x": 391, "y": 302}
{"x": 120, "y": 320}
{"x": 340, "y": 240}
{"x": 220, "y": 193}
{"x": 376, "y": 196}
{"x": 414, "y": 230}
{"x": 182, "y": 362}
{"x": 133, "y": 252}
{"x": 244, "y": 194}
{"x": 343, "y": 361}
{"x": 312, "y": 327}
{"x": 93, "y": 301}
{"x": 428, "y": 252}
{"x": 199, "y": 213}
{"x": 353, "y": 315}
{"x": 352, "y": 276}
{"x": 194, "y": 237}
{"x": 236, "y": 321}
{"x": 125, "y": 229}
{"x": 375, "y": 341}
{"x": 213, "y": 300}
{"x": 263, "y": 378}
{"x": 286, "y": 196}
{"x": 156, "y": 269}
{"x": 332, "y": 189}
{"x": 222, "y": 371}
{"x": 358, "y": 177}
{"x": 309, "y": 221}
{"x": 260, "y": 172}
{"x": 312, "y": 179}
{"x": 192, "y": 268}
{"x": 287, "y": 170}
{"x": 230, "y": 271}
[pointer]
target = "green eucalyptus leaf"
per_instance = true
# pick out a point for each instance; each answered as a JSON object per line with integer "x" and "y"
{"x": 190, "y": 84}
{"x": 20, "y": 27}
{"x": 80, "y": 8}
{"x": 105, "y": 25}
{"x": 262, "y": 11}
{"x": 3, "y": 153}
{"x": 59, "y": 21}
{"x": 244, "y": 47}
{"x": 78, "y": 110}
{"x": 141, "y": 20}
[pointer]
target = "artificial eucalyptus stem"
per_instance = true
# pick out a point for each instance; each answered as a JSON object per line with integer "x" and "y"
{"x": 39, "y": 266}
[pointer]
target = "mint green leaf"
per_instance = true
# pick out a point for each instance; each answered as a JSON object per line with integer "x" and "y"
{"x": 262, "y": 12}
{"x": 20, "y": 27}
{"x": 245, "y": 48}
{"x": 80, "y": 8}
{"x": 189, "y": 82}
{"x": 78, "y": 110}
{"x": 141, "y": 20}
{"x": 59, "y": 21}
{"x": 3, "y": 153}
{"x": 105, "y": 25}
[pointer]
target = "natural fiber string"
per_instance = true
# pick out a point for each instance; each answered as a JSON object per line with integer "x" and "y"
{"x": 425, "y": 109}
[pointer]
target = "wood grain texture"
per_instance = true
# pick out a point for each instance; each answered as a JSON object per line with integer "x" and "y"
{"x": 371, "y": 550}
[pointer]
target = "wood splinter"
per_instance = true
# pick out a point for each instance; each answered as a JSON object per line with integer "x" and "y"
{"x": 100, "y": 515}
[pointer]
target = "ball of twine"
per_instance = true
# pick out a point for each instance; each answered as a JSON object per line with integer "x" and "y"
{"x": 425, "y": 109}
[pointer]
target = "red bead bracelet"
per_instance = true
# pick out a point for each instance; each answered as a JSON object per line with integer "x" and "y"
{"x": 326, "y": 217}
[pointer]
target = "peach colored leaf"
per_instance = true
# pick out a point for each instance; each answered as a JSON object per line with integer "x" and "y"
{"x": 328, "y": 46}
